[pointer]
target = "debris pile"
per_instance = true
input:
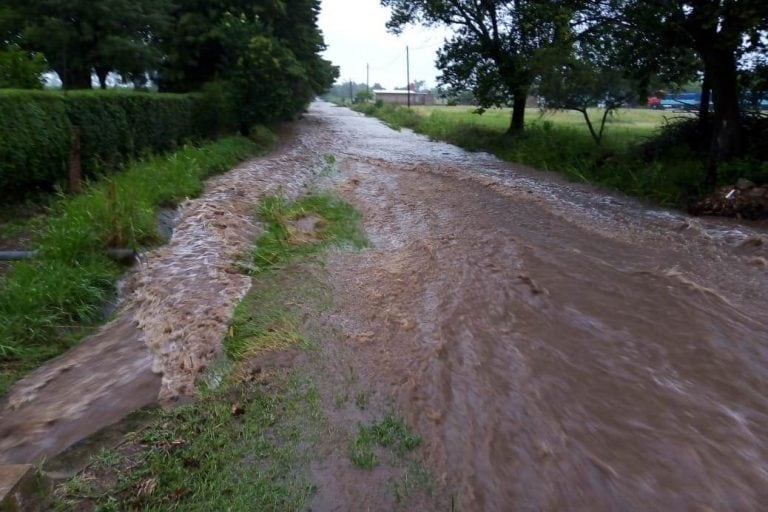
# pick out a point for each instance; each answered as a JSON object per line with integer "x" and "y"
{"x": 744, "y": 200}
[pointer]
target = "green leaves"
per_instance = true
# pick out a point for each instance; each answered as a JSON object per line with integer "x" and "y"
{"x": 20, "y": 69}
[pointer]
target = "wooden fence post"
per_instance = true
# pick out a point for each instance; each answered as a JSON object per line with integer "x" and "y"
{"x": 75, "y": 165}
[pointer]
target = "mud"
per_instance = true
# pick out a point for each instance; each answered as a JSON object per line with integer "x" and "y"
{"x": 558, "y": 347}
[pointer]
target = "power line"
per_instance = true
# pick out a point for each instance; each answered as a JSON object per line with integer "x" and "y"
{"x": 390, "y": 63}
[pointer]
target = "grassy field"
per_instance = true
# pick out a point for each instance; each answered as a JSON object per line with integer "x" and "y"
{"x": 624, "y": 125}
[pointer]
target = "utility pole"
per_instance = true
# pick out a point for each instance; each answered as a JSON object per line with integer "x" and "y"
{"x": 408, "y": 74}
{"x": 368, "y": 78}
{"x": 351, "y": 97}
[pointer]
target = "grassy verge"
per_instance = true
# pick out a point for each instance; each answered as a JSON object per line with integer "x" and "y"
{"x": 48, "y": 304}
{"x": 239, "y": 447}
{"x": 561, "y": 143}
{"x": 293, "y": 230}
{"x": 304, "y": 227}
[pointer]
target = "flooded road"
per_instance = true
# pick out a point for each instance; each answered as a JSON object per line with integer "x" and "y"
{"x": 558, "y": 347}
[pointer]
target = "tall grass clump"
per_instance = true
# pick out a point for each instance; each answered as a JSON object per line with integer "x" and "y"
{"x": 336, "y": 223}
{"x": 46, "y": 303}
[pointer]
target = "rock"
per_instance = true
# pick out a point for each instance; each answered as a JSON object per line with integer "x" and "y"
{"x": 744, "y": 184}
{"x": 758, "y": 192}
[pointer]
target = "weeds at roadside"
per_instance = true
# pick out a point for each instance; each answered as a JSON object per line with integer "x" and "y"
{"x": 261, "y": 321}
{"x": 329, "y": 165}
{"x": 246, "y": 443}
{"x": 340, "y": 399}
{"x": 237, "y": 448}
{"x": 361, "y": 400}
{"x": 415, "y": 478}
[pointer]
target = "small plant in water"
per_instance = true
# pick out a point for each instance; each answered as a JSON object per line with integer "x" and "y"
{"x": 391, "y": 432}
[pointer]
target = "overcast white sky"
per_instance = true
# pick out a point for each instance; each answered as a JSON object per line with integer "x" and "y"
{"x": 355, "y": 34}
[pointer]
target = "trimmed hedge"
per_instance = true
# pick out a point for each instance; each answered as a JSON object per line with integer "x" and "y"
{"x": 36, "y": 131}
{"x": 35, "y": 138}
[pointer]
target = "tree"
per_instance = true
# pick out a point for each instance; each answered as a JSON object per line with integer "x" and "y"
{"x": 81, "y": 37}
{"x": 267, "y": 54}
{"x": 576, "y": 84}
{"x": 718, "y": 32}
{"x": 20, "y": 69}
{"x": 493, "y": 47}
{"x": 363, "y": 95}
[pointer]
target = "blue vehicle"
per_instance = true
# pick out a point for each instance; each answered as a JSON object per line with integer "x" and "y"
{"x": 682, "y": 101}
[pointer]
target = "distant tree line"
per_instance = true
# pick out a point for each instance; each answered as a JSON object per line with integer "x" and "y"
{"x": 263, "y": 53}
{"x": 576, "y": 53}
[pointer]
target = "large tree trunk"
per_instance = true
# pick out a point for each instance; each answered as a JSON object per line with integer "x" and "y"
{"x": 102, "y": 74}
{"x": 727, "y": 137}
{"x": 74, "y": 78}
{"x": 517, "y": 124}
{"x": 706, "y": 97}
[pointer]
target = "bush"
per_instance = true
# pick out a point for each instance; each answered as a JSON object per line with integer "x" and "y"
{"x": 216, "y": 112}
{"x": 262, "y": 136}
{"x": 115, "y": 128}
{"x": 20, "y": 69}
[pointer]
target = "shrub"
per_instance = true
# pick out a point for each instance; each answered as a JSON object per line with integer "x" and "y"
{"x": 216, "y": 111}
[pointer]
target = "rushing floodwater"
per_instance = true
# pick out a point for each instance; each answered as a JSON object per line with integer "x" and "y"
{"x": 557, "y": 346}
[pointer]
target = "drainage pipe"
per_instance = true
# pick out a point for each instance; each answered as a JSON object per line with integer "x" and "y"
{"x": 115, "y": 254}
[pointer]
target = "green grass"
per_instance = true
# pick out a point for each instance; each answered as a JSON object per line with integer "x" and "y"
{"x": 415, "y": 477}
{"x": 391, "y": 432}
{"x": 48, "y": 304}
{"x": 338, "y": 225}
{"x": 240, "y": 447}
{"x": 261, "y": 321}
{"x": 561, "y": 142}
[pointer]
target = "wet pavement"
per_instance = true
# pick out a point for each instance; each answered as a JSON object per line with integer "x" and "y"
{"x": 557, "y": 346}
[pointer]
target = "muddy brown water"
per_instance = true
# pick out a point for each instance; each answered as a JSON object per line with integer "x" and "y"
{"x": 558, "y": 347}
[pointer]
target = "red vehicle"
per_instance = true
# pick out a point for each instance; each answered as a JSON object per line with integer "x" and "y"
{"x": 654, "y": 102}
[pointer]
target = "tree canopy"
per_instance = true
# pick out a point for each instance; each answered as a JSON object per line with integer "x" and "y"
{"x": 81, "y": 37}
{"x": 578, "y": 53}
{"x": 265, "y": 53}
{"x": 494, "y": 46}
